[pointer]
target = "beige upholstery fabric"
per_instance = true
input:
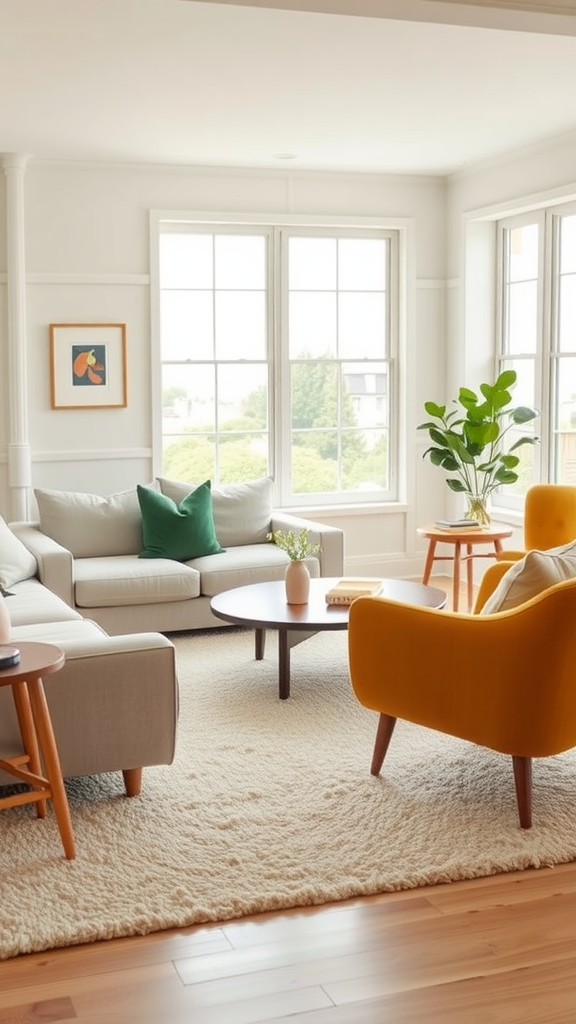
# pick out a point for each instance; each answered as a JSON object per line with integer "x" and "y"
{"x": 242, "y": 565}
{"x": 31, "y": 603}
{"x": 89, "y": 525}
{"x": 242, "y": 512}
{"x": 114, "y": 704}
{"x": 129, "y": 580}
{"x": 117, "y": 592}
{"x": 537, "y": 571}
{"x": 16, "y": 562}
{"x": 76, "y": 630}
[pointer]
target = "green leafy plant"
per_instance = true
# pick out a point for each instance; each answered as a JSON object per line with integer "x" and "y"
{"x": 470, "y": 440}
{"x": 295, "y": 544}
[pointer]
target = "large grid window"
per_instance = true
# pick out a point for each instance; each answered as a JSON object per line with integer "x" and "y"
{"x": 277, "y": 351}
{"x": 538, "y": 339}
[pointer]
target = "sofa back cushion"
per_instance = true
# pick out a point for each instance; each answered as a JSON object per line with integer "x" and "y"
{"x": 16, "y": 562}
{"x": 91, "y": 526}
{"x": 242, "y": 512}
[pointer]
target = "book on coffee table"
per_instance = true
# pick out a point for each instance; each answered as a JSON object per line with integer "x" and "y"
{"x": 346, "y": 590}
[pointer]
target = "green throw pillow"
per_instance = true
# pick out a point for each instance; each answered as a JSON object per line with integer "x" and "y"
{"x": 181, "y": 531}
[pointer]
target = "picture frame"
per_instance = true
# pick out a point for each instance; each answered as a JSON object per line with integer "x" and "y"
{"x": 88, "y": 366}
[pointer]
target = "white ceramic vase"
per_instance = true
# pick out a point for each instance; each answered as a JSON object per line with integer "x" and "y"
{"x": 297, "y": 582}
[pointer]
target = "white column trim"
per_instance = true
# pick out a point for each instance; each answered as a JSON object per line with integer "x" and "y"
{"x": 19, "y": 457}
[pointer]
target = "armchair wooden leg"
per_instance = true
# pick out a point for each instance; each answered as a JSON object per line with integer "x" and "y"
{"x": 132, "y": 781}
{"x": 523, "y": 783}
{"x": 383, "y": 736}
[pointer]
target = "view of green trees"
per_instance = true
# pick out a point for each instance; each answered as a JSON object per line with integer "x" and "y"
{"x": 317, "y": 463}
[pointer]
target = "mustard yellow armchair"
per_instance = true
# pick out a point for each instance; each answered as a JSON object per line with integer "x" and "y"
{"x": 549, "y": 519}
{"x": 505, "y": 681}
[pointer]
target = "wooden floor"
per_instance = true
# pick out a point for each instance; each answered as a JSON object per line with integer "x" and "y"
{"x": 498, "y": 950}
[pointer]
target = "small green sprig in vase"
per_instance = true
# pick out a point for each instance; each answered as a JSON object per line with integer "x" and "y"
{"x": 295, "y": 544}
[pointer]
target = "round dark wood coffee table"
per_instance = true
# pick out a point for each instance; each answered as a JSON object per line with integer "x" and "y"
{"x": 263, "y": 606}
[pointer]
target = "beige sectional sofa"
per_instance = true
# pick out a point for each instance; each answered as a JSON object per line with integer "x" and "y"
{"x": 75, "y": 579}
{"x": 87, "y": 551}
{"x": 114, "y": 704}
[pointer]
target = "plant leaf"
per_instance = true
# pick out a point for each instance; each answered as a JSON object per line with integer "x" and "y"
{"x": 482, "y": 433}
{"x": 524, "y": 440}
{"x": 435, "y": 410}
{"x": 505, "y": 476}
{"x": 507, "y": 379}
{"x": 523, "y": 414}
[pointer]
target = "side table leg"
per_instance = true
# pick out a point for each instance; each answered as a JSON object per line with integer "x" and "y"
{"x": 28, "y": 734}
{"x": 470, "y": 575}
{"x": 47, "y": 745}
{"x": 283, "y": 664}
{"x": 429, "y": 561}
{"x": 456, "y": 577}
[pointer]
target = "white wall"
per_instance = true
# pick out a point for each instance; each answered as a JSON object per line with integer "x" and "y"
{"x": 87, "y": 260}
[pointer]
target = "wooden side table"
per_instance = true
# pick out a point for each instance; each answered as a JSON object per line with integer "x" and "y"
{"x": 470, "y": 539}
{"x": 25, "y": 678}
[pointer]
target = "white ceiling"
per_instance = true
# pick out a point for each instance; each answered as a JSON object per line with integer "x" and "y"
{"x": 180, "y": 82}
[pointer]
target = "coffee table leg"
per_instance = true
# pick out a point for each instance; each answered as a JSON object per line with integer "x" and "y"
{"x": 283, "y": 664}
{"x": 259, "y": 643}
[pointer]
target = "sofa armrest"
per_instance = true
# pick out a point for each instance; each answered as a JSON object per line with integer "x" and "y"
{"x": 115, "y": 703}
{"x": 330, "y": 539}
{"x": 55, "y": 563}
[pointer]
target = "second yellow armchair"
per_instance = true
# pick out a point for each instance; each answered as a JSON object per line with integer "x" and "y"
{"x": 549, "y": 519}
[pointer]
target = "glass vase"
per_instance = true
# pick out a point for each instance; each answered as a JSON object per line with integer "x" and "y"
{"x": 477, "y": 509}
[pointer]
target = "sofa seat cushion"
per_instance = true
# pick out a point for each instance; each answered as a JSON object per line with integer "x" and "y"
{"x": 31, "y": 602}
{"x": 240, "y": 566}
{"x": 60, "y": 633}
{"x": 129, "y": 580}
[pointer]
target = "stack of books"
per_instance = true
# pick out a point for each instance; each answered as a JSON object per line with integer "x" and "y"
{"x": 346, "y": 590}
{"x": 457, "y": 524}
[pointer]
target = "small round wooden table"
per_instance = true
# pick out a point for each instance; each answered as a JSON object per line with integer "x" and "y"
{"x": 471, "y": 539}
{"x": 264, "y": 606}
{"x": 39, "y": 745}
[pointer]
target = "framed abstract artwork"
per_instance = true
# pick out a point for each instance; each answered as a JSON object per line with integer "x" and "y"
{"x": 88, "y": 366}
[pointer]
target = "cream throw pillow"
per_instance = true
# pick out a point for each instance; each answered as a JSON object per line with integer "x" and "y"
{"x": 537, "y": 571}
{"x": 16, "y": 562}
{"x": 242, "y": 512}
{"x": 91, "y": 526}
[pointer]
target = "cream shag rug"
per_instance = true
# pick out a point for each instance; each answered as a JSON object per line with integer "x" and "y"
{"x": 270, "y": 804}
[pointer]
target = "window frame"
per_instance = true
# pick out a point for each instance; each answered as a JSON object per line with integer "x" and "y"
{"x": 397, "y": 232}
{"x": 548, "y": 218}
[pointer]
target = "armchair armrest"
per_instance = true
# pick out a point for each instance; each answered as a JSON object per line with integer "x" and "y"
{"x": 507, "y": 555}
{"x": 489, "y": 582}
{"x": 55, "y": 563}
{"x": 330, "y": 539}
